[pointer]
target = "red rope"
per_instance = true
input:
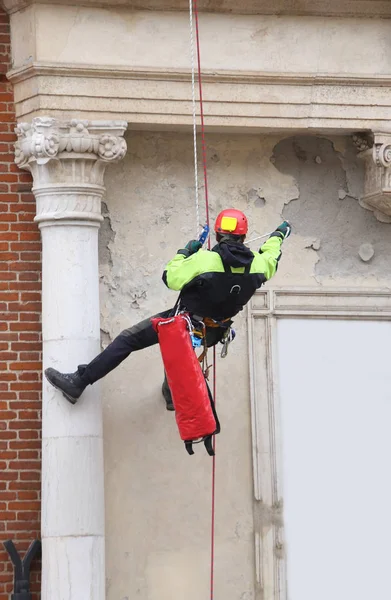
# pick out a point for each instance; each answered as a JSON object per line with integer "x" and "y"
{"x": 204, "y": 162}
{"x": 212, "y": 536}
{"x": 202, "y": 115}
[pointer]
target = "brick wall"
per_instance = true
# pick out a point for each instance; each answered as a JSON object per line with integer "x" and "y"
{"x": 20, "y": 344}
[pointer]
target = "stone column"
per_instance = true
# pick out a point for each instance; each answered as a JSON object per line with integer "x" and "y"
{"x": 67, "y": 161}
{"x": 375, "y": 150}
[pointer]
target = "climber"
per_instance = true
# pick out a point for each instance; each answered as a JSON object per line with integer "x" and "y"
{"x": 214, "y": 286}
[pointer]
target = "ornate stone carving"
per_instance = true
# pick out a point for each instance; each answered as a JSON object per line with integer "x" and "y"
{"x": 38, "y": 143}
{"x": 111, "y": 147}
{"x": 67, "y": 161}
{"x": 377, "y": 184}
{"x": 362, "y": 141}
{"x": 45, "y": 138}
{"x": 382, "y": 154}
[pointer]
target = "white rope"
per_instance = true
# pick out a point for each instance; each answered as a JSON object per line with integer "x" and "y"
{"x": 193, "y": 95}
{"x": 259, "y": 237}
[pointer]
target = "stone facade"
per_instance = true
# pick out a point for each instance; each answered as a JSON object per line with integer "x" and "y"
{"x": 298, "y": 127}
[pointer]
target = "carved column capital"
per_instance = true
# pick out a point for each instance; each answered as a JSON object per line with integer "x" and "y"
{"x": 382, "y": 149}
{"x": 67, "y": 160}
{"x": 375, "y": 150}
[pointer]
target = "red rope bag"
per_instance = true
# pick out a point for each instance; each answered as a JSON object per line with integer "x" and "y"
{"x": 194, "y": 407}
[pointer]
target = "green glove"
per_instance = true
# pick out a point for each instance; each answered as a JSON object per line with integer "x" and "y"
{"x": 284, "y": 229}
{"x": 191, "y": 248}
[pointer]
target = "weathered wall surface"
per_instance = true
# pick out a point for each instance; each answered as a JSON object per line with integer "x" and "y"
{"x": 261, "y": 72}
{"x": 71, "y": 34}
{"x": 158, "y": 498}
{"x": 352, "y": 247}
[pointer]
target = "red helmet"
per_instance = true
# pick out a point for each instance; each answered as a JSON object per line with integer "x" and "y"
{"x": 232, "y": 221}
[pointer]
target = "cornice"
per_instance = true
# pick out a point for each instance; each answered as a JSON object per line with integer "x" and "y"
{"x": 342, "y": 8}
{"x": 47, "y": 69}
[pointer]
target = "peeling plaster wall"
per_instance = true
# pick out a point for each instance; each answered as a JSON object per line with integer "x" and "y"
{"x": 330, "y": 180}
{"x": 155, "y": 494}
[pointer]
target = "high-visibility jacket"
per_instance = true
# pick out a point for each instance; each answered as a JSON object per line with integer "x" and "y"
{"x": 218, "y": 283}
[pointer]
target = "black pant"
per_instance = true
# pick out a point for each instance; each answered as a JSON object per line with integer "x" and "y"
{"x": 142, "y": 335}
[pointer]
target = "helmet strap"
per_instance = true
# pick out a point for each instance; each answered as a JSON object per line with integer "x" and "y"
{"x": 230, "y": 237}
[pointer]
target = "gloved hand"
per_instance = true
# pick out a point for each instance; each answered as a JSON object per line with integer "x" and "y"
{"x": 191, "y": 248}
{"x": 285, "y": 229}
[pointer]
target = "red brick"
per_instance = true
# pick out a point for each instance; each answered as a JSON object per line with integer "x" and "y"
{"x": 9, "y": 317}
{"x": 24, "y": 465}
{"x": 25, "y": 326}
{"x": 20, "y": 386}
{"x": 24, "y": 526}
{"x": 27, "y": 346}
{"x": 30, "y": 316}
{"x": 23, "y": 226}
{"x": 29, "y": 356}
{"x": 8, "y": 415}
{"x": 8, "y": 356}
{"x": 28, "y": 246}
{"x": 6, "y": 256}
{"x": 28, "y": 454}
{"x": 19, "y": 425}
{"x": 7, "y": 435}
{"x": 26, "y": 485}
{"x": 29, "y": 256}
{"x": 16, "y": 206}
{"x": 8, "y": 475}
{"x": 29, "y": 286}
{"x": 8, "y": 235}
{"x": 25, "y": 266}
{"x": 33, "y": 236}
{"x": 29, "y": 276}
{"x": 30, "y": 337}
{"x": 31, "y": 396}
{"x": 6, "y": 496}
{"x": 24, "y": 306}
{"x": 7, "y": 376}
{"x": 7, "y": 515}
{"x": 26, "y": 496}
{"x": 10, "y": 177}
{"x": 11, "y": 337}
{"x": 7, "y": 455}
{"x": 9, "y": 297}
{"x": 30, "y": 475}
{"x": 29, "y": 376}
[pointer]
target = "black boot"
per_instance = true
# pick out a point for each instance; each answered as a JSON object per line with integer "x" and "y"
{"x": 71, "y": 385}
{"x": 167, "y": 395}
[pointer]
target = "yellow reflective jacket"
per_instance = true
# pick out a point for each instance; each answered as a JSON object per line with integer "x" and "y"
{"x": 211, "y": 282}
